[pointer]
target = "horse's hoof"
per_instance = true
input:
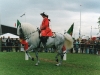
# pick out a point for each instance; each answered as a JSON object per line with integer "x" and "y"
{"x": 32, "y": 59}
{"x": 56, "y": 60}
{"x": 36, "y": 64}
{"x": 57, "y": 64}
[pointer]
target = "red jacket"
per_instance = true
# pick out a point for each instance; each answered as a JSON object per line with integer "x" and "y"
{"x": 45, "y": 30}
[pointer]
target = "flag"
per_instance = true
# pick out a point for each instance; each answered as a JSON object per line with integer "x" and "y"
{"x": 70, "y": 31}
{"x": 22, "y": 15}
{"x": 18, "y": 23}
{"x": 15, "y": 24}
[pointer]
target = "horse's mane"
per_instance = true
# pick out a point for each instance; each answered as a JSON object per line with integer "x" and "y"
{"x": 27, "y": 27}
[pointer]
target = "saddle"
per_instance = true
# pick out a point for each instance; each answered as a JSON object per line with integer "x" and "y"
{"x": 43, "y": 39}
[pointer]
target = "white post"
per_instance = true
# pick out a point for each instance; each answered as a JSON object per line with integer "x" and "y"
{"x": 26, "y": 56}
{"x": 22, "y": 49}
{"x": 65, "y": 55}
{"x": 97, "y": 53}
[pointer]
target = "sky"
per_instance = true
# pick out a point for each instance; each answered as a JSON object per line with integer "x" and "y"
{"x": 63, "y": 13}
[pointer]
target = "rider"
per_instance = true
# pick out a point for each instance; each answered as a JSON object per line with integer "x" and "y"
{"x": 45, "y": 30}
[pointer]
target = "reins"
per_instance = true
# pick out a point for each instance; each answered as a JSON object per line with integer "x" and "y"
{"x": 29, "y": 35}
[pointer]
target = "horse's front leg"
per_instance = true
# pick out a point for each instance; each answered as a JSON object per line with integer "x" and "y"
{"x": 30, "y": 47}
{"x": 36, "y": 53}
{"x": 29, "y": 55}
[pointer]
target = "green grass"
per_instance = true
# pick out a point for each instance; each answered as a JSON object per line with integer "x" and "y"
{"x": 14, "y": 63}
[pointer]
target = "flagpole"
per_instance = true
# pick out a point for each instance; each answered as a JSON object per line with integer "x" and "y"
{"x": 80, "y": 29}
{"x": 24, "y": 15}
{"x": 91, "y": 31}
{"x": 80, "y": 21}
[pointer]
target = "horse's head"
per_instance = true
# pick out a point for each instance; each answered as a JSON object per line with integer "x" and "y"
{"x": 25, "y": 30}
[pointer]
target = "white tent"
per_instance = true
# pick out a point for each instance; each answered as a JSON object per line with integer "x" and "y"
{"x": 9, "y": 35}
{"x": 85, "y": 37}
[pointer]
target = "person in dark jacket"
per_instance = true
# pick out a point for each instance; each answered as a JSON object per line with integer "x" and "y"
{"x": 8, "y": 44}
{"x": 17, "y": 45}
{"x": 91, "y": 47}
{"x": 98, "y": 47}
{"x": 82, "y": 46}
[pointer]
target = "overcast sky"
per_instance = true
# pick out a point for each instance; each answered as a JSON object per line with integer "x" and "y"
{"x": 61, "y": 12}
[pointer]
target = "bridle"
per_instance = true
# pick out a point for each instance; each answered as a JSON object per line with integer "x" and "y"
{"x": 29, "y": 35}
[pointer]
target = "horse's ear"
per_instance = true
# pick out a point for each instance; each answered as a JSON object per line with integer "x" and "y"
{"x": 38, "y": 30}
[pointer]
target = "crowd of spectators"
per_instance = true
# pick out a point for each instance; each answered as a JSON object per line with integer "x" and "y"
{"x": 86, "y": 46}
{"x": 10, "y": 44}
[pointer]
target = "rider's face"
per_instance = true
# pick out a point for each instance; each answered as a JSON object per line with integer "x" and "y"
{"x": 43, "y": 16}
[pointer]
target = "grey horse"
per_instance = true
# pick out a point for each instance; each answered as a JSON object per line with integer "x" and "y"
{"x": 31, "y": 34}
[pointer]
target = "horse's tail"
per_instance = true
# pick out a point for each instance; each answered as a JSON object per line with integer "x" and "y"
{"x": 68, "y": 43}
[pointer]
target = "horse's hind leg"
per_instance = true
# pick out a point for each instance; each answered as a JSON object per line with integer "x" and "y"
{"x": 56, "y": 58}
{"x": 60, "y": 52}
{"x": 59, "y": 61}
{"x": 61, "y": 55}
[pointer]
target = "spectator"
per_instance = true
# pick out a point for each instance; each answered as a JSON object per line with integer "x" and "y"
{"x": 3, "y": 44}
{"x": 76, "y": 46}
{"x": 87, "y": 46}
{"x": 82, "y": 46}
{"x": 98, "y": 47}
{"x": 12, "y": 44}
{"x": 17, "y": 45}
{"x": 91, "y": 47}
{"x": 95, "y": 46}
{"x": 8, "y": 44}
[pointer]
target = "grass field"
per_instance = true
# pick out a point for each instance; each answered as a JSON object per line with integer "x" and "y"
{"x": 14, "y": 63}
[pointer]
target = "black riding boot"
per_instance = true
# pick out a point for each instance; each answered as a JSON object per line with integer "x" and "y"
{"x": 43, "y": 39}
{"x": 40, "y": 42}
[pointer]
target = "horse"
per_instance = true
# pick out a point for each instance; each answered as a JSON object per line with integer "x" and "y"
{"x": 32, "y": 34}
